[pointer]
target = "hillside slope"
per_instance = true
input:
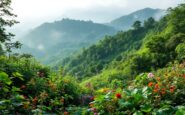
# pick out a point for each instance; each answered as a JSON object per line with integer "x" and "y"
{"x": 52, "y": 42}
{"x": 141, "y": 49}
{"x": 61, "y": 38}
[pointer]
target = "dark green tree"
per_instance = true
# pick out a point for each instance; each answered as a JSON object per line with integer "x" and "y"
{"x": 150, "y": 23}
{"x": 136, "y": 25}
{"x": 178, "y": 22}
{"x": 7, "y": 20}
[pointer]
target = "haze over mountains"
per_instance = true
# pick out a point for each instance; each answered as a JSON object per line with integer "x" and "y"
{"x": 63, "y": 37}
{"x": 132, "y": 65}
{"x": 54, "y": 41}
{"x": 125, "y": 22}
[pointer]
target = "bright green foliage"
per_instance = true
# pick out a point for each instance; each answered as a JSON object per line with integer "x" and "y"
{"x": 180, "y": 50}
{"x": 92, "y": 60}
{"x": 113, "y": 74}
{"x": 160, "y": 93}
{"x": 14, "y": 65}
{"x": 135, "y": 51}
{"x": 27, "y": 86}
{"x": 4, "y": 78}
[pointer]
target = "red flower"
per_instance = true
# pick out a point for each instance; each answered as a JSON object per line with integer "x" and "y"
{"x": 163, "y": 91}
{"x": 156, "y": 86}
{"x": 155, "y": 90}
{"x": 172, "y": 88}
{"x": 118, "y": 95}
{"x": 92, "y": 98}
{"x": 66, "y": 113}
{"x": 150, "y": 84}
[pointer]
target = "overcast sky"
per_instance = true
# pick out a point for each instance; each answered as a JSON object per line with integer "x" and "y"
{"x": 32, "y": 13}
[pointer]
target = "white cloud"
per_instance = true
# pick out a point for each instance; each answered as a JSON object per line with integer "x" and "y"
{"x": 31, "y": 13}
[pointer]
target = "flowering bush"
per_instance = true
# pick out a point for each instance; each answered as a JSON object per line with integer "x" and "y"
{"x": 161, "y": 92}
{"x": 39, "y": 95}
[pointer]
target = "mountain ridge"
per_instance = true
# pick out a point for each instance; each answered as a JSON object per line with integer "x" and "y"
{"x": 69, "y": 36}
{"x": 125, "y": 22}
{"x": 64, "y": 35}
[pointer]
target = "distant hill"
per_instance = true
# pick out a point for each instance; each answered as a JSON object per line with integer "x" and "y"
{"x": 124, "y": 55}
{"x": 125, "y": 22}
{"x": 52, "y": 41}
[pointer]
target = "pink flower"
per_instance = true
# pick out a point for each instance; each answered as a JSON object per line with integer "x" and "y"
{"x": 150, "y": 75}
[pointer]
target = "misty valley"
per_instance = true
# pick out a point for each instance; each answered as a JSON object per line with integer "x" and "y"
{"x": 131, "y": 65}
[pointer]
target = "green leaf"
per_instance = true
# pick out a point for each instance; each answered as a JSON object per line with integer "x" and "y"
{"x": 125, "y": 104}
{"x": 108, "y": 95}
{"x": 135, "y": 91}
{"x": 5, "y": 89}
{"x": 19, "y": 97}
{"x": 15, "y": 89}
{"x": 165, "y": 111}
{"x": 138, "y": 113}
{"x": 4, "y": 78}
{"x": 180, "y": 111}
{"x": 146, "y": 108}
{"x": 4, "y": 102}
{"x": 145, "y": 89}
{"x": 17, "y": 104}
{"x": 2, "y": 107}
{"x": 18, "y": 75}
{"x": 137, "y": 98}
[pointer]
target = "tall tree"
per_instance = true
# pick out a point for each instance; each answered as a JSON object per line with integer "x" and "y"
{"x": 136, "y": 25}
{"x": 150, "y": 23}
{"x": 6, "y": 20}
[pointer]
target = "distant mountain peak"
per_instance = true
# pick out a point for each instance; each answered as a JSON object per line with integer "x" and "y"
{"x": 125, "y": 22}
{"x": 63, "y": 37}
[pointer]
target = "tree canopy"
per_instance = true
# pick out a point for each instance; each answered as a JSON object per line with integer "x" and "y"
{"x": 7, "y": 20}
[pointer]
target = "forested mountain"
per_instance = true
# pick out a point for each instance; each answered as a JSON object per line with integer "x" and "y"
{"x": 136, "y": 72}
{"x": 125, "y": 22}
{"x": 61, "y": 38}
{"x": 141, "y": 49}
{"x": 93, "y": 59}
{"x": 51, "y": 42}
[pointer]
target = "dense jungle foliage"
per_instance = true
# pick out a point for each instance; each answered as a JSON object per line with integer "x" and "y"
{"x": 140, "y": 71}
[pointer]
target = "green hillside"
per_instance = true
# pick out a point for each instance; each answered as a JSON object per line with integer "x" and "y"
{"x": 137, "y": 72}
{"x": 93, "y": 59}
{"x": 53, "y": 41}
{"x": 141, "y": 49}
{"x": 69, "y": 36}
